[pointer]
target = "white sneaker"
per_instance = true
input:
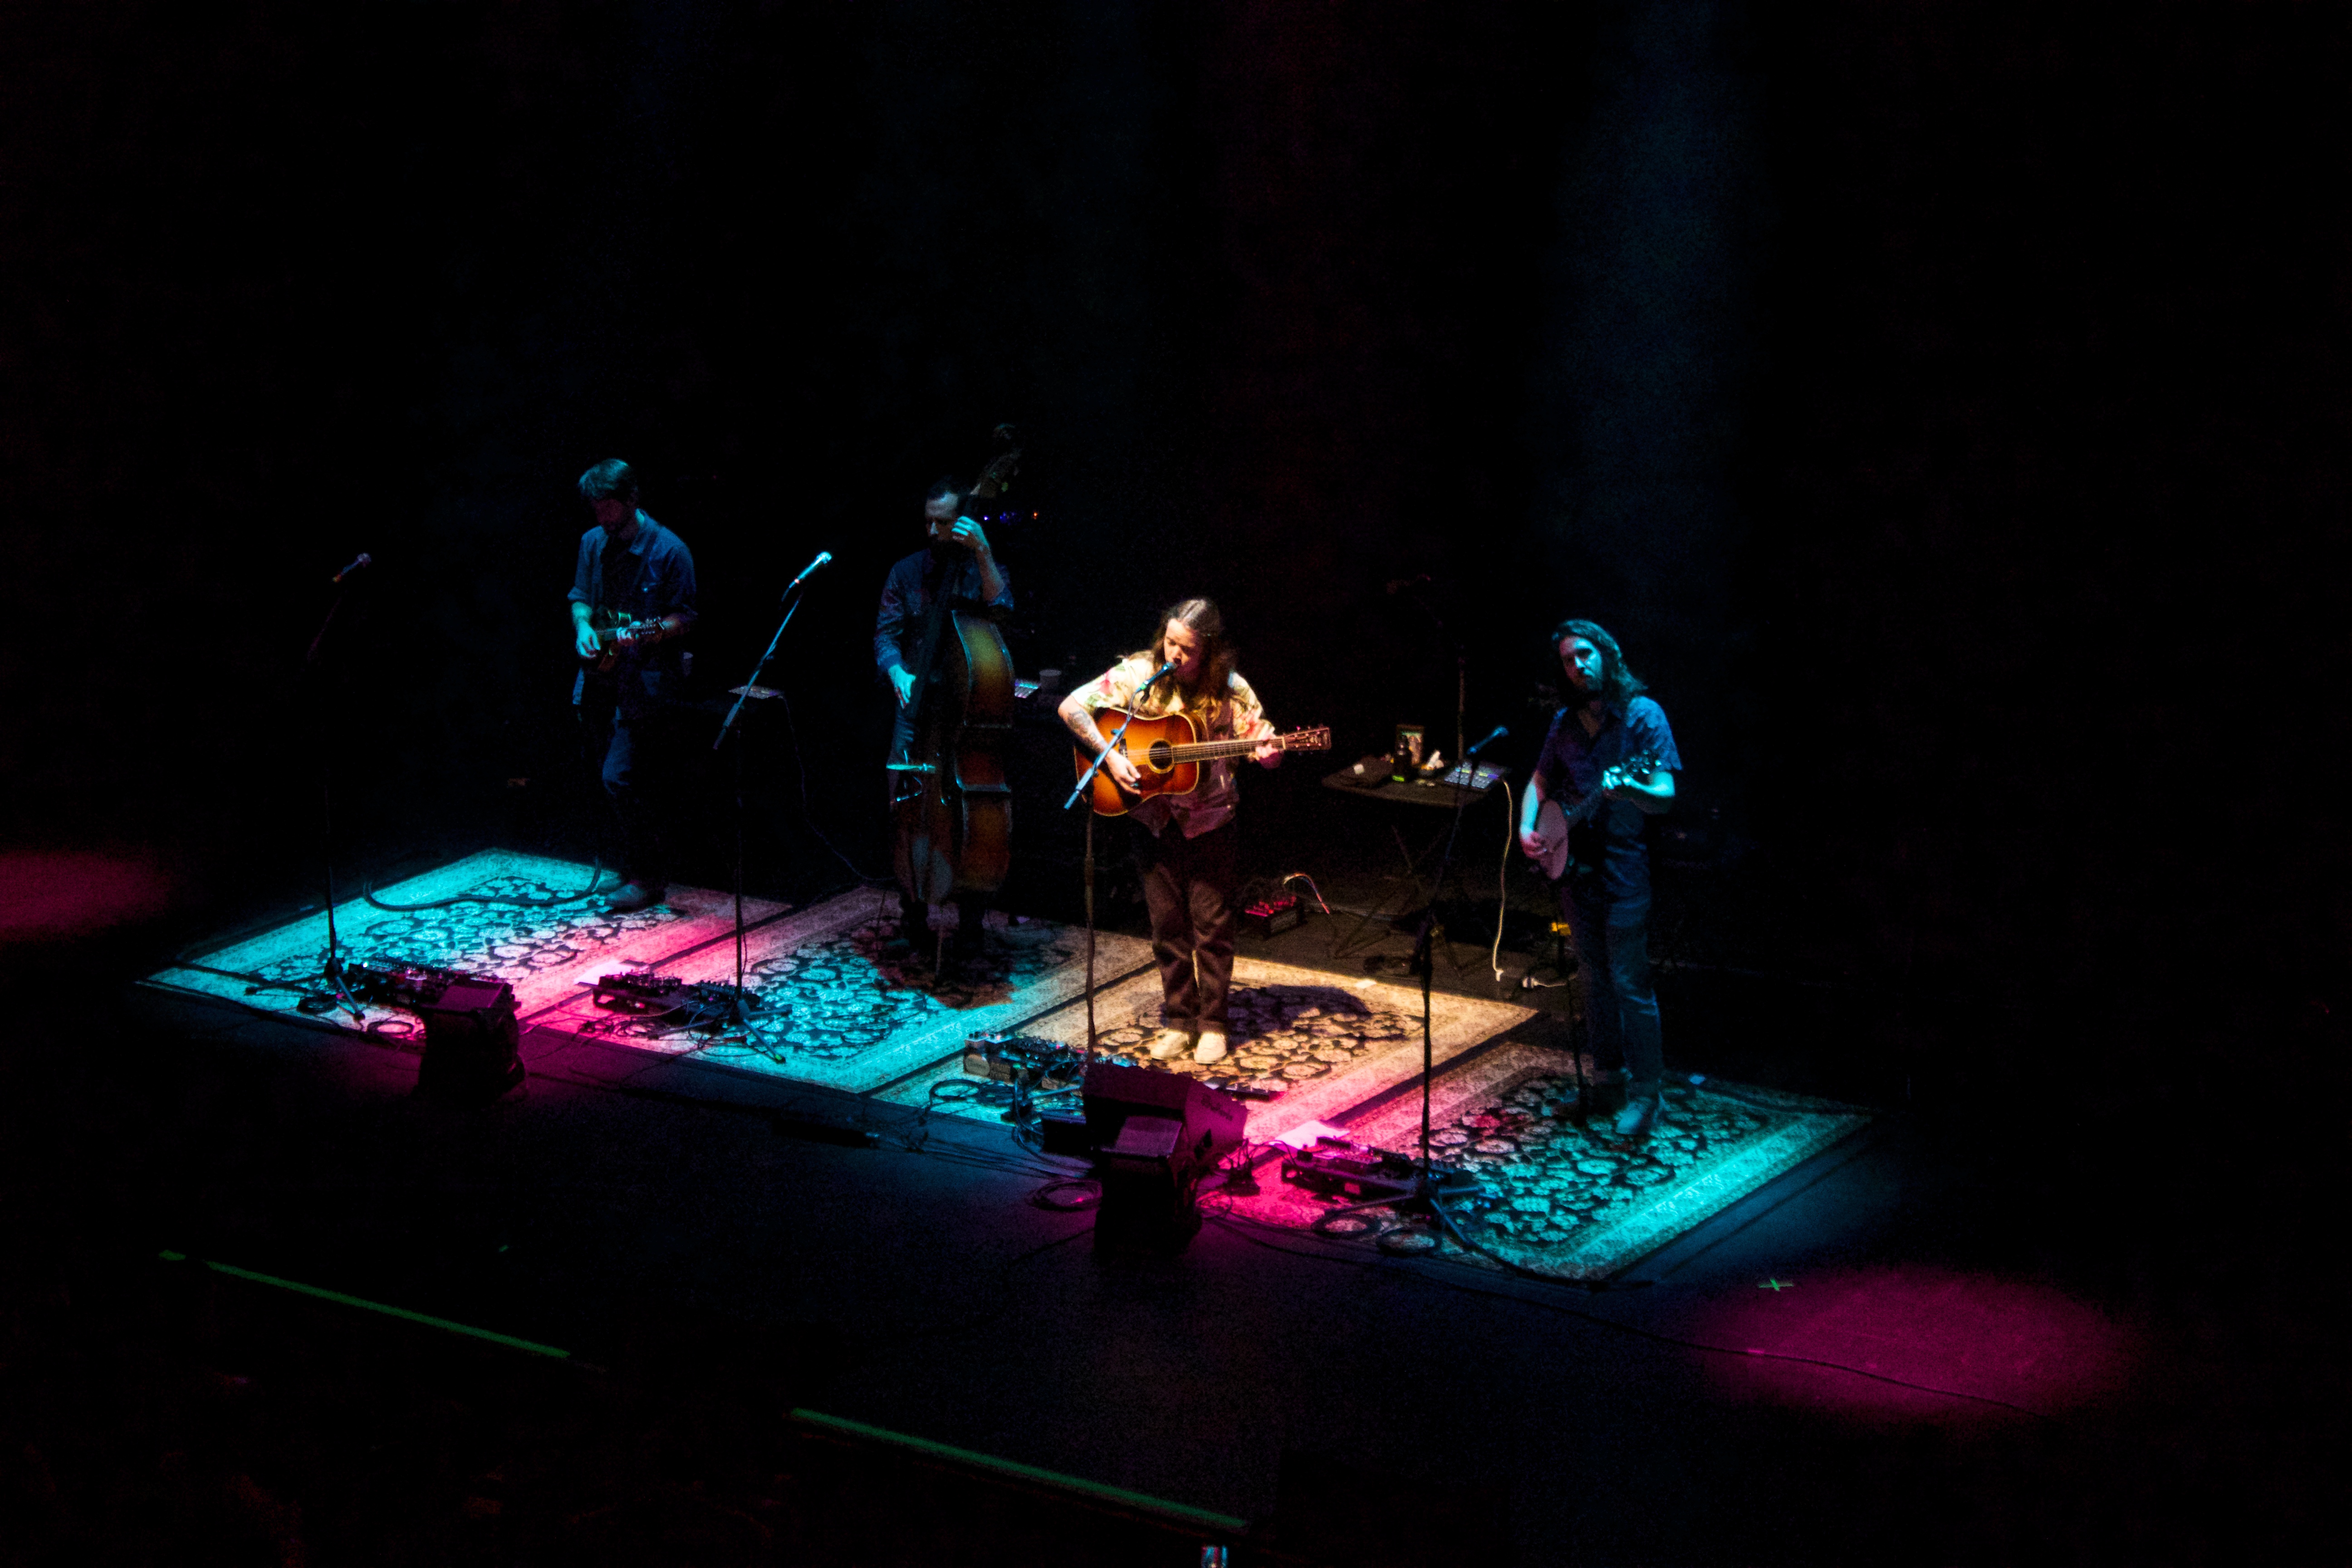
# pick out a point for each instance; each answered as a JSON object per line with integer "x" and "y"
{"x": 1211, "y": 1047}
{"x": 1169, "y": 1042}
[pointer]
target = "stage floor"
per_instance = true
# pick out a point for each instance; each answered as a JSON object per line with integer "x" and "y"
{"x": 842, "y": 1005}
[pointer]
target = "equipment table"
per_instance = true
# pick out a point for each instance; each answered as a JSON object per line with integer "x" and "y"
{"x": 1362, "y": 781}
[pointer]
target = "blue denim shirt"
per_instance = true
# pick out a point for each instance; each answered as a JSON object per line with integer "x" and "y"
{"x": 661, "y": 584}
{"x": 907, "y": 603}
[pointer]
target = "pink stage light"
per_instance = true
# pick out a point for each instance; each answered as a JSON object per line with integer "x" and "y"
{"x": 1986, "y": 1345}
{"x": 45, "y": 894}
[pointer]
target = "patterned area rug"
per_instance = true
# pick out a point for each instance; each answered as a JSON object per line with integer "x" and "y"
{"x": 1329, "y": 1042}
{"x": 843, "y": 1005}
{"x": 542, "y": 952}
{"x": 1578, "y": 1202}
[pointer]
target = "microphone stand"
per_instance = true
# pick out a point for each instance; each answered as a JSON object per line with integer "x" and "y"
{"x": 314, "y": 668}
{"x": 742, "y": 1010}
{"x": 1084, "y": 781}
{"x": 1429, "y": 1187}
{"x": 1428, "y": 1190}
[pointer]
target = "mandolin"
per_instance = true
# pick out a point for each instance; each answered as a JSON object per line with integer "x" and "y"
{"x": 619, "y": 632}
{"x": 1169, "y": 752}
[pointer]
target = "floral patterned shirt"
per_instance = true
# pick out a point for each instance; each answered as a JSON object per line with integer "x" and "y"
{"x": 1234, "y": 716}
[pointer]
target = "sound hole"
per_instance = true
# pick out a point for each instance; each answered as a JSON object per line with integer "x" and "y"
{"x": 1163, "y": 756}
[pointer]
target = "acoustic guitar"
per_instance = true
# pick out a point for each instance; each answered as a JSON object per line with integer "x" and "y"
{"x": 1554, "y": 823}
{"x": 1169, "y": 751}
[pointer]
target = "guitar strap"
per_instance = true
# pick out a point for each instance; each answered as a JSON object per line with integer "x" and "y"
{"x": 620, "y": 568}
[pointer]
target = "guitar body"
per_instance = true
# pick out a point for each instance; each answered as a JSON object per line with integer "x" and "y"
{"x": 1164, "y": 776}
{"x": 617, "y": 632}
{"x": 1168, "y": 752}
{"x": 1552, "y": 822}
{"x": 1555, "y": 822}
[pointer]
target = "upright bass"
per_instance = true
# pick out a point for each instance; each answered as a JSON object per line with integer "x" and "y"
{"x": 949, "y": 799}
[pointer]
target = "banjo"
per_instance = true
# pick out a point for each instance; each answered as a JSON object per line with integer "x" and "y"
{"x": 1554, "y": 823}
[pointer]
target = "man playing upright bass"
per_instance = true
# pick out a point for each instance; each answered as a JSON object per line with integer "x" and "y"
{"x": 1610, "y": 750}
{"x": 957, "y": 566}
{"x": 1185, "y": 845}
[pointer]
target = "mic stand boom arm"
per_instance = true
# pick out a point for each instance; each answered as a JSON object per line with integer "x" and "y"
{"x": 1087, "y": 778}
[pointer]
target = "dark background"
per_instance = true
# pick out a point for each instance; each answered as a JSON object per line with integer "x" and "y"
{"x": 1943, "y": 403}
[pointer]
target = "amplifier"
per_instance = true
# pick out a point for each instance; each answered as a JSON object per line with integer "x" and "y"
{"x": 1154, "y": 1135}
{"x": 1210, "y": 1121}
{"x": 471, "y": 1042}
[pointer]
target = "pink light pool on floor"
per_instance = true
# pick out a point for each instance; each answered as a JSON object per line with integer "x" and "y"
{"x": 48, "y": 894}
{"x": 1975, "y": 1335}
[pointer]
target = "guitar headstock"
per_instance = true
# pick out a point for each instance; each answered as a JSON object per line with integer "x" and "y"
{"x": 1317, "y": 738}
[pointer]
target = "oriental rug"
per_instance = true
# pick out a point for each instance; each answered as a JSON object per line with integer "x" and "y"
{"x": 842, "y": 1002}
{"x": 519, "y": 918}
{"x": 1574, "y": 1203}
{"x": 1327, "y": 1042}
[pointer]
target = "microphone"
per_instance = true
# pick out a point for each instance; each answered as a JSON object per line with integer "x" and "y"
{"x": 365, "y": 560}
{"x": 1399, "y": 584}
{"x": 1499, "y": 732}
{"x": 823, "y": 558}
{"x": 1155, "y": 680}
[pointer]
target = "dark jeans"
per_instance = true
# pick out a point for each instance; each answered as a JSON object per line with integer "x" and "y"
{"x": 1188, "y": 886}
{"x": 1612, "y": 964}
{"x": 638, "y": 757}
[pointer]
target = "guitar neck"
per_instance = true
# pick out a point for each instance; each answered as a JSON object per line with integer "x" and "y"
{"x": 1208, "y": 751}
{"x": 1640, "y": 766}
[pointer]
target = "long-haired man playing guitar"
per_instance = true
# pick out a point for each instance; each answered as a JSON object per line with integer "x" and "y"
{"x": 1185, "y": 845}
{"x": 1611, "y": 741}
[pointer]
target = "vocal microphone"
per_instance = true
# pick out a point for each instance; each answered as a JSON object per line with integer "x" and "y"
{"x": 1155, "y": 680}
{"x": 1499, "y": 732}
{"x": 1399, "y": 584}
{"x": 365, "y": 560}
{"x": 823, "y": 558}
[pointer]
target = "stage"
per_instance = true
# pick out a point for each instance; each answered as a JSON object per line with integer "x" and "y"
{"x": 838, "y": 1000}
{"x": 803, "y": 1282}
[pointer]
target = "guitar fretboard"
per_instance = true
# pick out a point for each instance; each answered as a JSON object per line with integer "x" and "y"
{"x": 1208, "y": 751}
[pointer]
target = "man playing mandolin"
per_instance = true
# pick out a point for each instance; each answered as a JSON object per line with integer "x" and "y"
{"x": 1185, "y": 845}
{"x": 632, "y": 595}
{"x": 1611, "y": 746}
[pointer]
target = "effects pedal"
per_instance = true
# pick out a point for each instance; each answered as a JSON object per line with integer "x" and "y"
{"x": 1350, "y": 1171}
{"x": 628, "y": 991}
{"x": 1268, "y": 917}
